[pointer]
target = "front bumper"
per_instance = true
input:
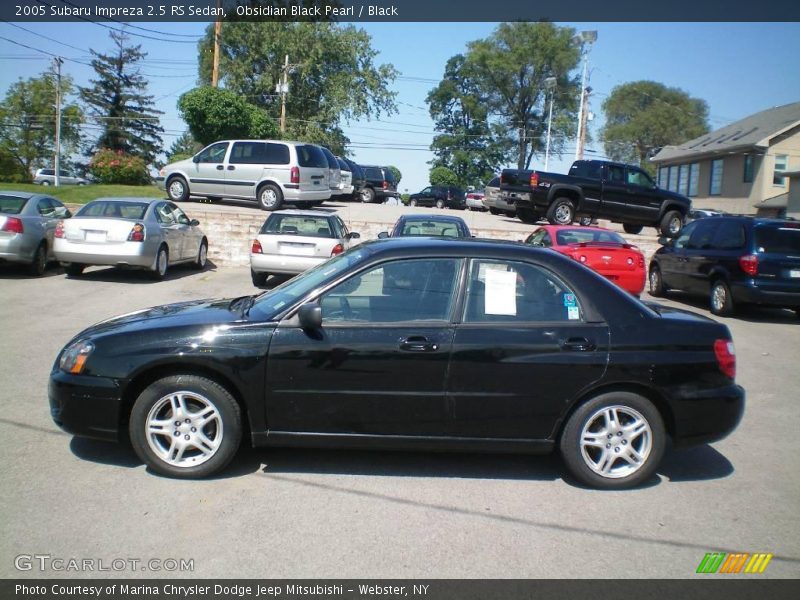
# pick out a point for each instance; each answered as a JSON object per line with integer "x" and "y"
{"x": 283, "y": 264}
{"x": 705, "y": 416}
{"x": 85, "y": 406}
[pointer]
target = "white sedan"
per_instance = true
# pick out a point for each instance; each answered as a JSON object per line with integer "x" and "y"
{"x": 140, "y": 233}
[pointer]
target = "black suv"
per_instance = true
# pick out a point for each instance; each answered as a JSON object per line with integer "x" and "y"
{"x": 440, "y": 196}
{"x": 379, "y": 184}
{"x": 732, "y": 260}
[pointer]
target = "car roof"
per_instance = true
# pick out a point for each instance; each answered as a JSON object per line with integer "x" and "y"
{"x": 27, "y": 195}
{"x": 130, "y": 199}
{"x": 440, "y": 218}
{"x": 298, "y": 212}
{"x": 462, "y": 247}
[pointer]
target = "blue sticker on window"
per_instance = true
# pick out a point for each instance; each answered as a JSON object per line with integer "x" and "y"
{"x": 570, "y": 300}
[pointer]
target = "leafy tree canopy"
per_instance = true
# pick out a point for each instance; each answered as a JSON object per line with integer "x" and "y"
{"x": 396, "y": 173}
{"x": 443, "y": 176}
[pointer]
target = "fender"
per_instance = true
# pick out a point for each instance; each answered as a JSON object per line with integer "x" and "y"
{"x": 669, "y": 204}
{"x": 556, "y": 190}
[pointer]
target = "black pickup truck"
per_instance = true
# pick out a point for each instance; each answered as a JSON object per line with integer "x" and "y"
{"x": 595, "y": 189}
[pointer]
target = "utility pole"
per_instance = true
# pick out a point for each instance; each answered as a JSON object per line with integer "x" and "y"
{"x": 58, "y": 62}
{"x": 549, "y": 84}
{"x": 586, "y": 39}
{"x": 217, "y": 29}
{"x": 584, "y": 121}
{"x": 283, "y": 88}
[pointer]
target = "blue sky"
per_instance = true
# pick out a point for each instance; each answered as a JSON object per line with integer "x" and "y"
{"x": 738, "y": 68}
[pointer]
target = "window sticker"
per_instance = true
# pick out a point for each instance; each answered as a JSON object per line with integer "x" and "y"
{"x": 501, "y": 292}
{"x": 570, "y": 300}
{"x": 573, "y": 313}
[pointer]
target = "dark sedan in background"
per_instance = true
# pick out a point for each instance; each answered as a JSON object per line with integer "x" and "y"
{"x": 411, "y": 343}
{"x": 428, "y": 226}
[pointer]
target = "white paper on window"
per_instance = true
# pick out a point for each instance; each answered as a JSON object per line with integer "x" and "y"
{"x": 501, "y": 292}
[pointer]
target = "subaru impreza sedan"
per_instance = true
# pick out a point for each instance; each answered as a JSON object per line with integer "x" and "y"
{"x": 409, "y": 343}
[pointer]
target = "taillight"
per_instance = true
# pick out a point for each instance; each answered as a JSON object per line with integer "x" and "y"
{"x": 337, "y": 249}
{"x": 582, "y": 258}
{"x": 59, "y": 229}
{"x": 726, "y": 357}
{"x": 137, "y": 233}
{"x": 641, "y": 262}
{"x": 385, "y": 185}
{"x": 256, "y": 248}
{"x": 294, "y": 175}
{"x": 534, "y": 179}
{"x": 13, "y": 225}
{"x": 749, "y": 264}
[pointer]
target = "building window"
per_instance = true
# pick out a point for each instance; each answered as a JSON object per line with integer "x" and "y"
{"x": 715, "y": 186}
{"x": 673, "y": 179}
{"x": 694, "y": 178}
{"x": 662, "y": 177}
{"x": 683, "y": 179}
{"x": 781, "y": 161}
{"x": 748, "y": 168}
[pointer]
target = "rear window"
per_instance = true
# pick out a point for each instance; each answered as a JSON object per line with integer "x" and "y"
{"x": 298, "y": 225}
{"x": 12, "y": 205}
{"x": 114, "y": 210}
{"x": 494, "y": 182}
{"x": 778, "y": 240}
{"x": 387, "y": 174}
{"x": 311, "y": 156}
{"x": 585, "y": 236}
{"x": 424, "y": 227}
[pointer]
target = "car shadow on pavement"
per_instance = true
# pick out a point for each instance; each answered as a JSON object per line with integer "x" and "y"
{"x": 748, "y": 313}
{"x": 698, "y": 463}
{"x": 11, "y": 271}
{"x": 121, "y": 275}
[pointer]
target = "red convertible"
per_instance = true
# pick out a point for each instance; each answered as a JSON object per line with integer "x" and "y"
{"x": 600, "y": 249}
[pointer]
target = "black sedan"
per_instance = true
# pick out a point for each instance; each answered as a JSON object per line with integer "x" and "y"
{"x": 428, "y": 226}
{"x": 411, "y": 343}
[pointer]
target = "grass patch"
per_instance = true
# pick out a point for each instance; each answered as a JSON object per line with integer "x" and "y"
{"x": 81, "y": 194}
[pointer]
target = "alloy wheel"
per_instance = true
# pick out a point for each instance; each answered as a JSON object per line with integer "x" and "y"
{"x": 616, "y": 441}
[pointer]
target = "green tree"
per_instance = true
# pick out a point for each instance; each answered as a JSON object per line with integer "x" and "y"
{"x": 333, "y": 76}
{"x": 396, "y": 174}
{"x": 28, "y": 124}
{"x": 466, "y": 144}
{"x": 510, "y": 68}
{"x": 443, "y": 176}
{"x": 183, "y": 147}
{"x": 642, "y": 116}
{"x": 216, "y": 114}
{"x": 119, "y": 102}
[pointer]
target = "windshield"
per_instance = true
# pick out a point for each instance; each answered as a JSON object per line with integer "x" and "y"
{"x": 271, "y": 303}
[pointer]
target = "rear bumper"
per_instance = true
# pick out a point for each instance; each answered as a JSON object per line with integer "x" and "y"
{"x": 85, "y": 406}
{"x": 133, "y": 254}
{"x": 705, "y": 416}
{"x": 13, "y": 248}
{"x": 755, "y": 295}
{"x": 281, "y": 263}
{"x": 298, "y": 195}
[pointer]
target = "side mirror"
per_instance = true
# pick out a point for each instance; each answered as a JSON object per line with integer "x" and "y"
{"x": 354, "y": 235}
{"x": 194, "y": 222}
{"x": 310, "y": 316}
{"x": 383, "y": 235}
{"x": 195, "y": 159}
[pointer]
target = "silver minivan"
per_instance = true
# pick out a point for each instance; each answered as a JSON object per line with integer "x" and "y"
{"x": 269, "y": 172}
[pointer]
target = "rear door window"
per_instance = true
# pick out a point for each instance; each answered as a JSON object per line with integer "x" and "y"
{"x": 248, "y": 153}
{"x": 729, "y": 236}
{"x": 276, "y": 154}
{"x": 703, "y": 235}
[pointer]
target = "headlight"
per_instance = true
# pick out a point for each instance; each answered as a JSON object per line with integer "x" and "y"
{"x": 74, "y": 356}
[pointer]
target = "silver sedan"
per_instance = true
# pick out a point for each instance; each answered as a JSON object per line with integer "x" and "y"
{"x": 27, "y": 226}
{"x": 292, "y": 241}
{"x": 130, "y": 232}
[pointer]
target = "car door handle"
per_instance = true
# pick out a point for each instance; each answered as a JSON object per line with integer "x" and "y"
{"x": 220, "y": 167}
{"x": 231, "y": 168}
{"x": 578, "y": 344}
{"x": 417, "y": 343}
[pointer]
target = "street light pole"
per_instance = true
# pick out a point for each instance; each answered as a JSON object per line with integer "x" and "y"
{"x": 58, "y": 62}
{"x": 587, "y": 38}
{"x": 550, "y": 84}
{"x": 284, "y": 87}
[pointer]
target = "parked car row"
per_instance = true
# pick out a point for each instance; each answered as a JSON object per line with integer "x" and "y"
{"x": 272, "y": 173}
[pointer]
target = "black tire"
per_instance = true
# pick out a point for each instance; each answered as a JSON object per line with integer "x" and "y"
{"x": 270, "y": 197}
{"x": 367, "y": 195}
{"x": 632, "y": 229}
{"x": 585, "y": 221}
{"x": 720, "y": 300}
{"x": 177, "y": 189}
{"x": 412, "y": 202}
{"x": 45, "y": 183}
{"x": 316, "y": 203}
{"x": 671, "y": 224}
{"x": 74, "y": 269}
{"x": 39, "y": 264}
{"x": 259, "y": 279}
{"x": 494, "y": 211}
{"x": 202, "y": 256}
{"x": 510, "y": 213}
{"x": 161, "y": 264}
{"x": 561, "y": 212}
{"x": 656, "y": 281}
{"x": 439, "y": 203}
{"x": 527, "y": 216}
{"x": 200, "y": 395}
{"x": 623, "y": 469}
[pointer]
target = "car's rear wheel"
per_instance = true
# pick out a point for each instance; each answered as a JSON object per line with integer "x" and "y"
{"x": 527, "y": 216}
{"x": 657, "y": 288}
{"x": 510, "y": 213}
{"x": 161, "y": 264}
{"x": 74, "y": 269}
{"x": 561, "y": 212}
{"x": 412, "y": 202}
{"x": 671, "y": 224}
{"x": 367, "y": 195}
{"x": 494, "y": 211}
{"x": 185, "y": 426}
{"x": 270, "y": 197}
{"x": 45, "y": 183}
{"x": 259, "y": 279}
{"x": 721, "y": 301}
{"x": 202, "y": 256}
{"x": 39, "y": 264}
{"x": 632, "y": 229}
{"x": 177, "y": 190}
{"x": 613, "y": 441}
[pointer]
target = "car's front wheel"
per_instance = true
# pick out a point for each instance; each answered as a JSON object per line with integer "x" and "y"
{"x": 440, "y": 203}
{"x": 671, "y": 224}
{"x": 721, "y": 300}
{"x": 185, "y": 426}
{"x": 614, "y": 441}
{"x": 177, "y": 190}
{"x": 202, "y": 256}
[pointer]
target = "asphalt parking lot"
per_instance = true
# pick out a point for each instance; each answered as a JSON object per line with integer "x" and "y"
{"x": 321, "y": 513}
